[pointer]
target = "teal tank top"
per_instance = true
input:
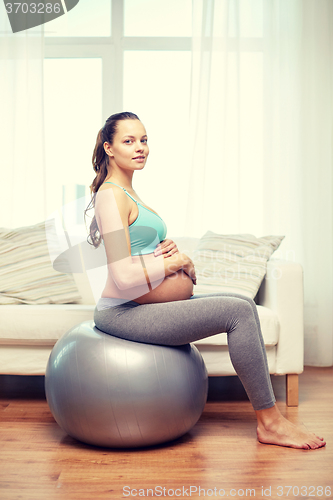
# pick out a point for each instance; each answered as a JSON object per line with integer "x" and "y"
{"x": 147, "y": 231}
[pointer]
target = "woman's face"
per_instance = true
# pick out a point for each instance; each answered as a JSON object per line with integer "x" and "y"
{"x": 129, "y": 149}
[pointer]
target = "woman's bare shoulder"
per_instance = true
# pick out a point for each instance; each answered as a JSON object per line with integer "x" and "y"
{"x": 108, "y": 193}
{"x": 112, "y": 205}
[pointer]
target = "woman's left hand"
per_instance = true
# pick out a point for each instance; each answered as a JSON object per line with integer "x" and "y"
{"x": 167, "y": 248}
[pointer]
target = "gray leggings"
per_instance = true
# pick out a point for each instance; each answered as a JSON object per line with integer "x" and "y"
{"x": 185, "y": 321}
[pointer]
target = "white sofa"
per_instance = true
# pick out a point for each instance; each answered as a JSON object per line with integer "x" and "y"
{"x": 28, "y": 332}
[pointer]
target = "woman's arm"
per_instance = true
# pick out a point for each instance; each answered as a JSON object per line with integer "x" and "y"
{"x": 112, "y": 210}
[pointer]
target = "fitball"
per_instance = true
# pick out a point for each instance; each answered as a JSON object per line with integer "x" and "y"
{"x": 106, "y": 391}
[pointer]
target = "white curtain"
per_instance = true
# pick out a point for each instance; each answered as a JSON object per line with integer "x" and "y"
{"x": 262, "y": 129}
{"x": 22, "y": 157}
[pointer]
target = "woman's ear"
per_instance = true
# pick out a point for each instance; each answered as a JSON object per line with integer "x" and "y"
{"x": 108, "y": 149}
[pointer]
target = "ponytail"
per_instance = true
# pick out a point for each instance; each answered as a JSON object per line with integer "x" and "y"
{"x": 100, "y": 161}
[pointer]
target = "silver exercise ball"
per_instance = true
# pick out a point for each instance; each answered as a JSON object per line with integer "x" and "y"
{"x": 111, "y": 392}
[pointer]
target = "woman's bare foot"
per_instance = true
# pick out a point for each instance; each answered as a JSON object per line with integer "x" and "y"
{"x": 273, "y": 428}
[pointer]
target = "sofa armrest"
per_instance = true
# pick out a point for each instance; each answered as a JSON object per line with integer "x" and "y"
{"x": 282, "y": 291}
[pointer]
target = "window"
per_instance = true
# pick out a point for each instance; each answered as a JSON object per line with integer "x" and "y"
{"x": 112, "y": 55}
{"x": 109, "y": 56}
{"x": 87, "y": 19}
{"x": 73, "y": 110}
{"x": 143, "y": 18}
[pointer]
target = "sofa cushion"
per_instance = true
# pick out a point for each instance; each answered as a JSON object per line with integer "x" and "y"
{"x": 49, "y": 322}
{"x": 40, "y": 323}
{"x": 26, "y": 272}
{"x": 232, "y": 263}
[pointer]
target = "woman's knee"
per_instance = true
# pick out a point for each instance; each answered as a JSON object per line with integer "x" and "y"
{"x": 243, "y": 310}
{"x": 236, "y": 311}
{"x": 246, "y": 298}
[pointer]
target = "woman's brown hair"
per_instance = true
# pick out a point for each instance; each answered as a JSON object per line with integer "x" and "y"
{"x": 100, "y": 161}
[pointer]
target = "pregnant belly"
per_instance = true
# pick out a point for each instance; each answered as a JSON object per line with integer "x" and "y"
{"x": 177, "y": 286}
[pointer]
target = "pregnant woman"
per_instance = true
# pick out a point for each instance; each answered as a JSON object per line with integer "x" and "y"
{"x": 148, "y": 296}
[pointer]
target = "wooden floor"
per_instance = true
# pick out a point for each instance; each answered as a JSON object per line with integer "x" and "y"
{"x": 220, "y": 454}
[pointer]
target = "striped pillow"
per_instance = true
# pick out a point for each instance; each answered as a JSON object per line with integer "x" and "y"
{"x": 26, "y": 272}
{"x": 232, "y": 263}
